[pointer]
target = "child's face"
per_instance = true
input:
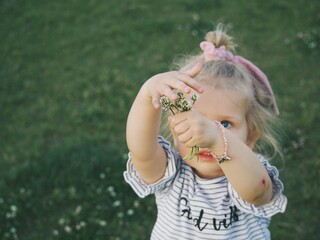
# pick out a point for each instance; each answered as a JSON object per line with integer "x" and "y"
{"x": 227, "y": 107}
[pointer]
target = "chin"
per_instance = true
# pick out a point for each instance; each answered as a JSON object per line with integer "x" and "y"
{"x": 206, "y": 175}
{"x": 208, "y": 172}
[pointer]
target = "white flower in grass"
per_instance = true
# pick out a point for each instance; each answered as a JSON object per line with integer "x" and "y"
{"x": 14, "y": 210}
{"x": 78, "y": 210}
{"x": 116, "y": 203}
{"x": 125, "y": 156}
{"x": 80, "y": 225}
{"x": 130, "y": 212}
{"x": 103, "y": 223}
{"x": 110, "y": 189}
{"x": 55, "y": 232}
{"x": 67, "y": 229}
{"x": 61, "y": 221}
{"x": 136, "y": 204}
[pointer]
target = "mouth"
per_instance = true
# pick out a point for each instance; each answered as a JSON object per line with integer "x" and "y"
{"x": 206, "y": 155}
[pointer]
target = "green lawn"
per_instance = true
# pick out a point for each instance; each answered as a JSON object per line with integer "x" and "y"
{"x": 69, "y": 71}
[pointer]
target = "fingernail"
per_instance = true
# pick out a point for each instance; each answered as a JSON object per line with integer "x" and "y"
{"x": 156, "y": 105}
{"x": 174, "y": 96}
{"x": 187, "y": 89}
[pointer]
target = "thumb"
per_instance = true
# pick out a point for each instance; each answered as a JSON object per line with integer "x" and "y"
{"x": 194, "y": 71}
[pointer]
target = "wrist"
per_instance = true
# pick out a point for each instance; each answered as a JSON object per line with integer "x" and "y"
{"x": 222, "y": 154}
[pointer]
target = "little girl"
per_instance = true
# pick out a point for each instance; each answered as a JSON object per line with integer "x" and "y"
{"x": 227, "y": 190}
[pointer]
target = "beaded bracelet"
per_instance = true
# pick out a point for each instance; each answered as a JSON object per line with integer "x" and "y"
{"x": 224, "y": 157}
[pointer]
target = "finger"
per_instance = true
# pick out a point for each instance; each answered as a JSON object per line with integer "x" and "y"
{"x": 191, "y": 84}
{"x": 181, "y": 86}
{"x": 186, "y": 83}
{"x": 194, "y": 71}
{"x": 156, "y": 101}
{"x": 168, "y": 91}
{"x": 181, "y": 128}
{"x": 185, "y": 137}
{"x": 179, "y": 118}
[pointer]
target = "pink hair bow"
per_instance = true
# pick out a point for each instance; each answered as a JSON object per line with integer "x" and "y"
{"x": 211, "y": 53}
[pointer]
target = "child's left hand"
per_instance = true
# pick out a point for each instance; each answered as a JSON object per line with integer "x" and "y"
{"x": 193, "y": 129}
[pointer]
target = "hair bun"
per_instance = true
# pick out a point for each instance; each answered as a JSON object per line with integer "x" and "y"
{"x": 219, "y": 38}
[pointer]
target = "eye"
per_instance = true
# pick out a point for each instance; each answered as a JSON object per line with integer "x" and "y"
{"x": 226, "y": 124}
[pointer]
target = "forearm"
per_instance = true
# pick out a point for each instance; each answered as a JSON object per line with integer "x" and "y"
{"x": 246, "y": 173}
{"x": 142, "y": 131}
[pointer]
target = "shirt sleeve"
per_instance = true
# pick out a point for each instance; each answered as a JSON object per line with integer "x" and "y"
{"x": 143, "y": 189}
{"x": 276, "y": 205}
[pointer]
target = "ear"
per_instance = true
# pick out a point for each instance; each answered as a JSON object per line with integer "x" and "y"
{"x": 253, "y": 138}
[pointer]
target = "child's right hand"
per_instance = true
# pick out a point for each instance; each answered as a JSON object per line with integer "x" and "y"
{"x": 166, "y": 84}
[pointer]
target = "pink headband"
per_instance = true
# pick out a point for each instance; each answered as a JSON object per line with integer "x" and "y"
{"x": 210, "y": 53}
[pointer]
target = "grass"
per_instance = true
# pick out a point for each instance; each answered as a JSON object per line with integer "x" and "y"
{"x": 69, "y": 71}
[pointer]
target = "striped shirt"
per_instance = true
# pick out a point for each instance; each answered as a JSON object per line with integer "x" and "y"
{"x": 193, "y": 208}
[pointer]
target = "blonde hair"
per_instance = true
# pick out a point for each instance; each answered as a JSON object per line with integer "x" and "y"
{"x": 223, "y": 74}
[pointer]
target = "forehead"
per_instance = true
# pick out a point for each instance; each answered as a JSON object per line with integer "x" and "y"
{"x": 216, "y": 103}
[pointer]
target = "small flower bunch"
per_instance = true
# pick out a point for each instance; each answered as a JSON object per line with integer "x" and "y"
{"x": 180, "y": 105}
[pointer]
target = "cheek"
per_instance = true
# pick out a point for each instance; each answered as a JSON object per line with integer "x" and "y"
{"x": 241, "y": 133}
{"x": 244, "y": 135}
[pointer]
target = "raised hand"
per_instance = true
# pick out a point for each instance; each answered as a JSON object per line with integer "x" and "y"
{"x": 193, "y": 129}
{"x": 168, "y": 83}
